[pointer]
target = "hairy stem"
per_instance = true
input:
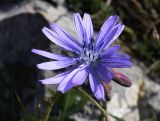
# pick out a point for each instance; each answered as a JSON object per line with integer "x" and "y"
{"x": 95, "y": 102}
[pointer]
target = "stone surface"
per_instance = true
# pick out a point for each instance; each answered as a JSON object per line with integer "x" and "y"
{"x": 18, "y": 73}
{"x": 124, "y": 102}
{"x": 140, "y": 101}
{"x": 67, "y": 23}
{"x": 49, "y": 12}
{"x": 10, "y": 1}
{"x": 149, "y": 100}
{"x": 20, "y": 31}
{"x": 152, "y": 90}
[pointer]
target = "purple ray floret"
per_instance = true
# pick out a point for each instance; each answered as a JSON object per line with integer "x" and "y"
{"x": 94, "y": 58}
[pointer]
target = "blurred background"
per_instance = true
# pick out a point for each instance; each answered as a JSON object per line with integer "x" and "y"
{"x": 23, "y": 98}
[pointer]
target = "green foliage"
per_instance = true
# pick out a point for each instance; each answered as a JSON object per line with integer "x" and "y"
{"x": 29, "y": 117}
{"x": 142, "y": 34}
{"x": 153, "y": 118}
{"x": 70, "y": 103}
{"x": 97, "y": 8}
{"x": 81, "y": 6}
{"x": 99, "y": 17}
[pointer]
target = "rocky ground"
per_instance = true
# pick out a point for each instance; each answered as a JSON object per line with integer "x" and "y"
{"x": 20, "y": 31}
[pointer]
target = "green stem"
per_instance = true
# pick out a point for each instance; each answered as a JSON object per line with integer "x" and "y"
{"x": 49, "y": 108}
{"x": 95, "y": 102}
{"x": 21, "y": 105}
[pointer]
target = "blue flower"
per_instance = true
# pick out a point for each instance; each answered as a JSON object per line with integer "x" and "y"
{"x": 94, "y": 58}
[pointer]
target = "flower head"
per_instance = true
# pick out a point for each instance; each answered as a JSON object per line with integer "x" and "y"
{"x": 94, "y": 58}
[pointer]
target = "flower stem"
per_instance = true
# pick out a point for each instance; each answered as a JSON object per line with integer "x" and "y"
{"x": 95, "y": 102}
{"x": 49, "y": 107}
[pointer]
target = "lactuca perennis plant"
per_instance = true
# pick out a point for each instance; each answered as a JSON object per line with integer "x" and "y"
{"x": 93, "y": 56}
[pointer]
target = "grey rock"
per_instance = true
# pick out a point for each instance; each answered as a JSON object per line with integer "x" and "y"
{"x": 138, "y": 102}
{"x": 20, "y": 31}
{"x": 149, "y": 100}
{"x": 152, "y": 90}
{"x": 9, "y": 1}
{"x": 18, "y": 35}
{"x": 124, "y": 102}
{"x": 49, "y": 12}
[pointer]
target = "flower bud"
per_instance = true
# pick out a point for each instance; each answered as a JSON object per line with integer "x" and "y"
{"x": 107, "y": 89}
{"x": 121, "y": 79}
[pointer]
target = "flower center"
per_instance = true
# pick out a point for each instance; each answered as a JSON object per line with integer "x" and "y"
{"x": 88, "y": 56}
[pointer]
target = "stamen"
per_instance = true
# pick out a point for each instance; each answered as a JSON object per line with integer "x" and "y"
{"x": 88, "y": 56}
